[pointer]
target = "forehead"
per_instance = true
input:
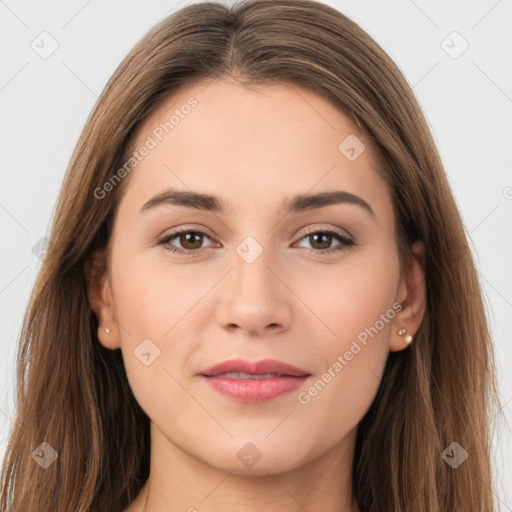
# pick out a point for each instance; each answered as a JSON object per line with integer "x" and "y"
{"x": 252, "y": 146}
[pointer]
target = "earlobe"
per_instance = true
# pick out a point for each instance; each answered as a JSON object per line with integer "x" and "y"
{"x": 108, "y": 337}
{"x": 407, "y": 337}
{"x": 99, "y": 293}
{"x": 412, "y": 291}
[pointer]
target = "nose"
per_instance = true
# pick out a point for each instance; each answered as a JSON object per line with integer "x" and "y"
{"x": 255, "y": 298}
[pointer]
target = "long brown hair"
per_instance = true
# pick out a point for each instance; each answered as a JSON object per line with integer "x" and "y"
{"x": 73, "y": 393}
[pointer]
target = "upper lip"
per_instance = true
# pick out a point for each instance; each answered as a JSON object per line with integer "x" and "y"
{"x": 255, "y": 368}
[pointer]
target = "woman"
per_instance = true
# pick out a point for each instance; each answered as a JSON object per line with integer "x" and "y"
{"x": 185, "y": 350}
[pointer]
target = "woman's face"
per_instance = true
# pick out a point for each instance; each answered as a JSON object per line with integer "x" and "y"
{"x": 252, "y": 282}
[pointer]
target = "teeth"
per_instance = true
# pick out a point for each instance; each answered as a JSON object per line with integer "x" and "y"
{"x": 241, "y": 375}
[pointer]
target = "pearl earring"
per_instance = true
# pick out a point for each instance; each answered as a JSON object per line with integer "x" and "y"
{"x": 107, "y": 330}
{"x": 407, "y": 338}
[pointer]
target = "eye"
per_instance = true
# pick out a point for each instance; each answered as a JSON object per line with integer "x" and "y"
{"x": 191, "y": 241}
{"x": 324, "y": 238}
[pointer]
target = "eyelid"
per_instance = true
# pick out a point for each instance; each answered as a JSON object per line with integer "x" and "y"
{"x": 184, "y": 228}
{"x": 342, "y": 232}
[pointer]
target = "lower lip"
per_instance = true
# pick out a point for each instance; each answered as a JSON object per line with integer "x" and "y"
{"x": 255, "y": 390}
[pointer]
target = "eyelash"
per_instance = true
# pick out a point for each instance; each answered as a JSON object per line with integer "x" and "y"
{"x": 347, "y": 243}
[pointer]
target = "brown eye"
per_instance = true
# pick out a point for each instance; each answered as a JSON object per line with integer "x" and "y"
{"x": 186, "y": 241}
{"x": 190, "y": 240}
{"x": 322, "y": 240}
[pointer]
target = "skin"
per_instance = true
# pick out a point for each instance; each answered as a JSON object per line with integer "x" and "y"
{"x": 253, "y": 148}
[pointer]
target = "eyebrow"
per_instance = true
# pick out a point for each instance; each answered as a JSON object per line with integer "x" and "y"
{"x": 212, "y": 203}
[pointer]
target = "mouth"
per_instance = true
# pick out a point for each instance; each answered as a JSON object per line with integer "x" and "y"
{"x": 265, "y": 368}
{"x": 258, "y": 381}
{"x": 250, "y": 376}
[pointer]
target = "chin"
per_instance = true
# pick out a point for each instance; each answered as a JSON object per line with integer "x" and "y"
{"x": 258, "y": 456}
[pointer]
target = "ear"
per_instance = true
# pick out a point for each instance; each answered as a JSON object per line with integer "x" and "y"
{"x": 412, "y": 297}
{"x": 99, "y": 293}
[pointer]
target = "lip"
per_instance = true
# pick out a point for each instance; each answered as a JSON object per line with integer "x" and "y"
{"x": 255, "y": 368}
{"x": 288, "y": 379}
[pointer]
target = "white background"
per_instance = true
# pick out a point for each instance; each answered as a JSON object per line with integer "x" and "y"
{"x": 467, "y": 100}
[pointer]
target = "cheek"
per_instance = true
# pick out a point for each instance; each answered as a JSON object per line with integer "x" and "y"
{"x": 354, "y": 358}
{"x": 151, "y": 297}
{"x": 154, "y": 304}
{"x": 355, "y": 306}
{"x": 351, "y": 298}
